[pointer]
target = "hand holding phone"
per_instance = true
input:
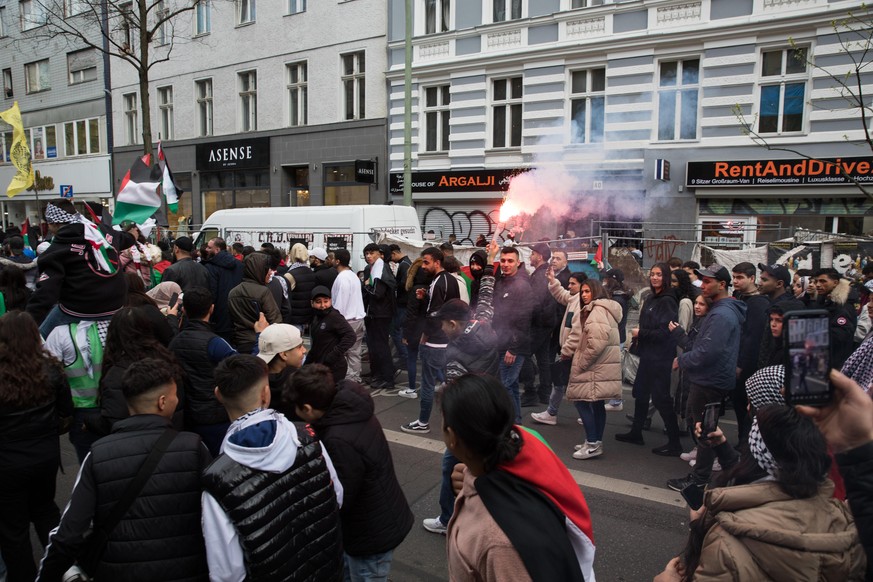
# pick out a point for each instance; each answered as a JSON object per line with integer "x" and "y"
{"x": 806, "y": 337}
{"x": 173, "y": 299}
{"x": 693, "y": 496}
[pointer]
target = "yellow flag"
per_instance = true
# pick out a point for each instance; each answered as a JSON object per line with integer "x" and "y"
{"x": 19, "y": 153}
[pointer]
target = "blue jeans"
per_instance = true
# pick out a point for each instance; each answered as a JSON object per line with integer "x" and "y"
{"x": 412, "y": 363}
{"x": 447, "y": 494}
{"x": 593, "y": 415}
{"x": 509, "y": 379}
{"x": 555, "y": 399}
{"x": 397, "y": 333}
{"x": 374, "y": 567}
{"x": 433, "y": 370}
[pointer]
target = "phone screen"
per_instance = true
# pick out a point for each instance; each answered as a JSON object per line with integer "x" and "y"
{"x": 710, "y": 418}
{"x": 807, "y": 361}
{"x": 173, "y": 299}
{"x": 693, "y": 496}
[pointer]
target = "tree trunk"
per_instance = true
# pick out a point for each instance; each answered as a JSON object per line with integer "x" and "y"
{"x": 145, "y": 100}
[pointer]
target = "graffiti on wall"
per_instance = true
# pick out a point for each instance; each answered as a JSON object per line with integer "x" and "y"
{"x": 467, "y": 225}
{"x": 662, "y": 250}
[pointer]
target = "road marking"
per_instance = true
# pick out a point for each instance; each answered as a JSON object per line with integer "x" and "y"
{"x": 583, "y": 479}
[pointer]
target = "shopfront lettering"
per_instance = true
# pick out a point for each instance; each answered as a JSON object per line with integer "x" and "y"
{"x": 805, "y": 172}
{"x": 230, "y": 154}
{"x": 464, "y": 181}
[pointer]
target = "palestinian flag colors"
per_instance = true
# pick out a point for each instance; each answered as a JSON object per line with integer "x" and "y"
{"x": 139, "y": 197}
{"x": 171, "y": 190}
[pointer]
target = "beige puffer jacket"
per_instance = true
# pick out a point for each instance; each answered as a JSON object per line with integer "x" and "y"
{"x": 595, "y": 373}
{"x": 758, "y": 532}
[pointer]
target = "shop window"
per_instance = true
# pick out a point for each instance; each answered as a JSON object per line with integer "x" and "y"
{"x": 587, "y": 105}
{"x": 43, "y": 142}
{"x": 82, "y": 137}
{"x": 340, "y": 187}
{"x": 506, "y": 112}
{"x": 239, "y": 189}
{"x": 300, "y": 185}
{"x": 784, "y": 75}
{"x": 678, "y": 95}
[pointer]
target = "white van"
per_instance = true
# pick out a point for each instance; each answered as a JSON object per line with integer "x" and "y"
{"x": 329, "y": 227}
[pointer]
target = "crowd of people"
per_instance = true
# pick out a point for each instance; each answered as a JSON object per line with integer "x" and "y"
{"x": 224, "y": 425}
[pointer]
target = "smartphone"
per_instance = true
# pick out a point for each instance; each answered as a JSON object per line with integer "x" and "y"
{"x": 173, "y": 299}
{"x": 256, "y": 306}
{"x": 711, "y": 413}
{"x": 807, "y": 346}
{"x": 693, "y": 496}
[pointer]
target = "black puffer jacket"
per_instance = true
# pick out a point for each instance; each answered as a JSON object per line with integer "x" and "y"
{"x": 160, "y": 536}
{"x": 856, "y": 467}
{"x": 301, "y": 295}
{"x": 375, "y": 515}
{"x": 379, "y": 295}
{"x": 191, "y": 348}
{"x": 225, "y": 273}
{"x": 68, "y": 278}
{"x": 416, "y": 309}
{"x": 545, "y": 308}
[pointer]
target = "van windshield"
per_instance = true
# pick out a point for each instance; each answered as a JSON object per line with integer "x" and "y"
{"x": 205, "y": 236}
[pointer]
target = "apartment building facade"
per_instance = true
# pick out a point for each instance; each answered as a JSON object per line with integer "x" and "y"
{"x": 265, "y": 104}
{"x": 59, "y": 86}
{"x": 641, "y": 106}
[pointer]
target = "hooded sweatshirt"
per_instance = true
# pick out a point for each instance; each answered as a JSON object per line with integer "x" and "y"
{"x": 263, "y": 440}
{"x": 226, "y": 273}
{"x": 713, "y": 360}
{"x": 249, "y": 298}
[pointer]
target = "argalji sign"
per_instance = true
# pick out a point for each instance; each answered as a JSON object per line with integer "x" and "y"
{"x": 796, "y": 172}
{"x": 456, "y": 181}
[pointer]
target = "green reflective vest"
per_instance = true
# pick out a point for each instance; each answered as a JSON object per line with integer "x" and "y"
{"x": 85, "y": 388}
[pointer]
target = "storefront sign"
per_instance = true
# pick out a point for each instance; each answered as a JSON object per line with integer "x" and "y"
{"x": 802, "y": 172}
{"x": 365, "y": 171}
{"x": 234, "y": 154}
{"x": 456, "y": 181}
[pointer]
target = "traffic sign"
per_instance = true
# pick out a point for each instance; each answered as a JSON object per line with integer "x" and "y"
{"x": 66, "y": 191}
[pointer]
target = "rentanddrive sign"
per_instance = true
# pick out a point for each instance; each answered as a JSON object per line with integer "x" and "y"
{"x": 823, "y": 172}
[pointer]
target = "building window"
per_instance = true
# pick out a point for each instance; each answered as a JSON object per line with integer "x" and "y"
{"x": 162, "y": 34}
{"x": 784, "y": 74}
{"x": 130, "y": 113}
{"x": 236, "y": 189}
{"x": 506, "y": 112}
{"x": 202, "y": 18}
{"x": 506, "y": 10}
{"x": 300, "y": 185}
{"x": 82, "y": 137}
{"x": 354, "y": 94}
{"x": 75, "y": 7}
{"x": 295, "y": 6}
{"x": 297, "y": 94}
{"x": 340, "y": 187}
{"x": 125, "y": 26}
{"x": 678, "y": 91}
{"x": 585, "y": 3}
{"x": 203, "y": 89}
{"x": 43, "y": 142}
{"x": 245, "y": 11}
{"x": 3, "y": 22}
{"x": 587, "y": 101}
{"x": 7, "y": 83}
{"x": 165, "y": 106}
{"x": 436, "y": 118}
{"x": 36, "y": 76}
{"x": 436, "y": 16}
{"x": 32, "y": 13}
{"x": 248, "y": 100}
{"x": 82, "y": 66}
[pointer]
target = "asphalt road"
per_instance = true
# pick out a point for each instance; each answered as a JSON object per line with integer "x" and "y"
{"x": 639, "y": 524}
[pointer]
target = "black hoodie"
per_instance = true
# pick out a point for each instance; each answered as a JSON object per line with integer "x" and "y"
{"x": 225, "y": 273}
{"x": 68, "y": 278}
{"x": 248, "y": 299}
{"x": 375, "y": 515}
{"x": 332, "y": 337}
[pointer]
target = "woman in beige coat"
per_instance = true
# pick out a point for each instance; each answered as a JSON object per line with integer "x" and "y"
{"x": 595, "y": 371}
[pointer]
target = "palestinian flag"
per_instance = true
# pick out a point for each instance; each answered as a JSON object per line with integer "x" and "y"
{"x": 138, "y": 198}
{"x": 171, "y": 190}
{"x": 25, "y": 234}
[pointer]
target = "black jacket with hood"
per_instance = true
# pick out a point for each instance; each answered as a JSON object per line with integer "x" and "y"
{"x": 379, "y": 294}
{"x": 475, "y": 349}
{"x": 332, "y": 337}
{"x": 69, "y": 278}
{"x": 375, "y": 514}
{"x": 248, "y": 299}
{"x": 843, "y": 320}
{"x": 225, "y": 273}
{"x": 513, "y": 305}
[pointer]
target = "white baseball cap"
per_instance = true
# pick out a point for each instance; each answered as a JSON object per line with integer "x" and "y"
{"x": 278, "y": 337}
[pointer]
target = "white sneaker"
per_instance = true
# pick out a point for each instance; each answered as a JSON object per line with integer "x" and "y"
{"x": 609, "y": 406}
{"x": 544, "y": 417}
{"x": 690, "y": 455}
{"x": 416, "y": 427}
{"x": 408, "y": 393}
{"x": 579, "y": 420}
{"x": 434, "y": 526}
{"x": 589, "y": 450}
